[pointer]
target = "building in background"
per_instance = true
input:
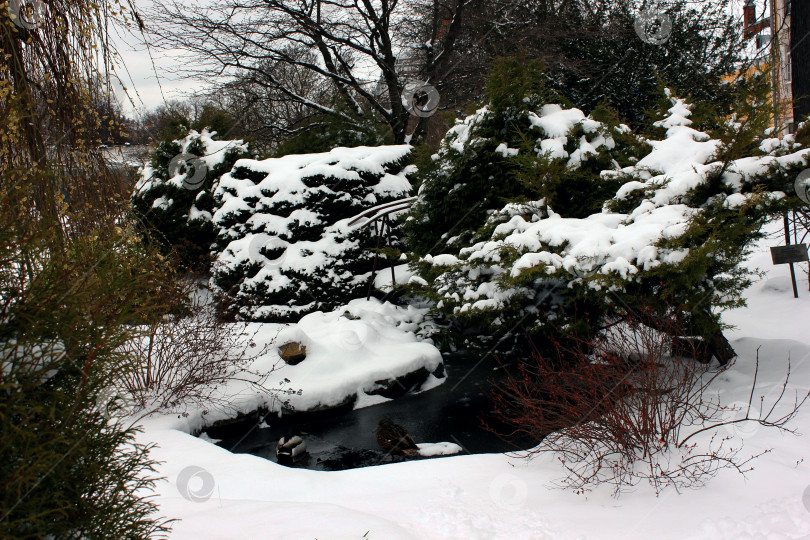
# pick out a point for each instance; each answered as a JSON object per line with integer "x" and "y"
{"x": 782, "y": 68}
{"x": 800, "y": 58}
{"x": 775, "y": 29}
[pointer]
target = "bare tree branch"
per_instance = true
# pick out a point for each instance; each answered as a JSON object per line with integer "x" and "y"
{"x": 348, "y": 50}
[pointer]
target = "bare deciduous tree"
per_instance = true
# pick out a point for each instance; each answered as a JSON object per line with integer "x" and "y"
{"x": 361, "y": 51}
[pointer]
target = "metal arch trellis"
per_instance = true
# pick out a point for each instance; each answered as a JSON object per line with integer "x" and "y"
{"x": 380, "y": 217}
{"x": 800, "y": 217}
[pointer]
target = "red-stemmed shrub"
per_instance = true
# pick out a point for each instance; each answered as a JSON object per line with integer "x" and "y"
{"x": 621, "y": 408}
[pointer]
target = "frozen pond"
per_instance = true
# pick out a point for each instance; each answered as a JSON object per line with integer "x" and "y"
{"x": 452, "y": 412}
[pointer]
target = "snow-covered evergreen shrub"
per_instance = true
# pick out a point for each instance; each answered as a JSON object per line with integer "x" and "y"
{"x": 285, "y": 248}
{"x": 176, "y": 209}
{"x": 515, "y": 149}
{"x": 537, "y": 213}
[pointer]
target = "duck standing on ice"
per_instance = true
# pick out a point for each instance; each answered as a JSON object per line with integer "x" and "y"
{"x": 290, "y": 449}
{"x": 394, "y": 439}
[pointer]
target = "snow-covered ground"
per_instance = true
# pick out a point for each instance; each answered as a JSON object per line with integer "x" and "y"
{"x": 217, "y": 494}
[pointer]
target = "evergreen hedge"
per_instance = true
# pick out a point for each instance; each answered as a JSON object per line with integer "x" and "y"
{"x": 284, "y": 246}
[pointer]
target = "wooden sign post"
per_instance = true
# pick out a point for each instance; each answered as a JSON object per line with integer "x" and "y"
{"x": 789, "y": 254}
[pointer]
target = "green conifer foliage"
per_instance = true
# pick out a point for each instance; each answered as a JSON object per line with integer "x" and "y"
{"x": 602, "y": 57}
{"x": 175, "y": 211}
{"x": 535, "y": 216}
{"x": 496, "y": 156}
{"x": 284, "y": 244}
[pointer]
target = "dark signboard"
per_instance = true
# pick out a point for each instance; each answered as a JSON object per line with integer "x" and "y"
{"x": 794, "y": 253}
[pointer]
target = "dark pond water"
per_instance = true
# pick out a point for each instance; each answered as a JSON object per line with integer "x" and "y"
{"x": 451, "y": 412}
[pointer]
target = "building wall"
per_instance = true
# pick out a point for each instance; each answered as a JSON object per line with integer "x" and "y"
{"x": 783, "y": 96}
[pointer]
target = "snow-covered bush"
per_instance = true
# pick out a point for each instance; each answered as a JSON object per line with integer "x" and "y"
{"x": 173, "y": 196}
{"x": 285, "y": 247}
{"x": 535, "y": 211}
{"x": 516, "y": 149}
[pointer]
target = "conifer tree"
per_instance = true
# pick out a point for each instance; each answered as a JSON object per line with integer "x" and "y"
{"x": 284, "y": 246}
{"x": 173, "y": 199}
{"x": 548, "y": 218}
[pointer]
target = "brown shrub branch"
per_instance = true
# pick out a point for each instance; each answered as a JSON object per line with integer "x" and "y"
{"x": 187, "y": 358}
{"x": 621, "y": 408}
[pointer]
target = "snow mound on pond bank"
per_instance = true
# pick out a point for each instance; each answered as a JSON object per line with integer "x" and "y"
{"x": 352, "y": 354}
{"x": 350, "y": 350}
{"x": 438, "y": 449}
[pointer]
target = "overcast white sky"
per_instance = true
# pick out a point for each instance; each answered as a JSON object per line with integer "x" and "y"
{"x": 146, "y": 82}
{"x": 142, "y": 80}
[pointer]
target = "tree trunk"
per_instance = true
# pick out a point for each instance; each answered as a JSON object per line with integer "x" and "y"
{"x": 702, "y": 348}
{"x": 800, "y": 58}
{"x": 720, "y": 348}
{"x": 716, "y": 343}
